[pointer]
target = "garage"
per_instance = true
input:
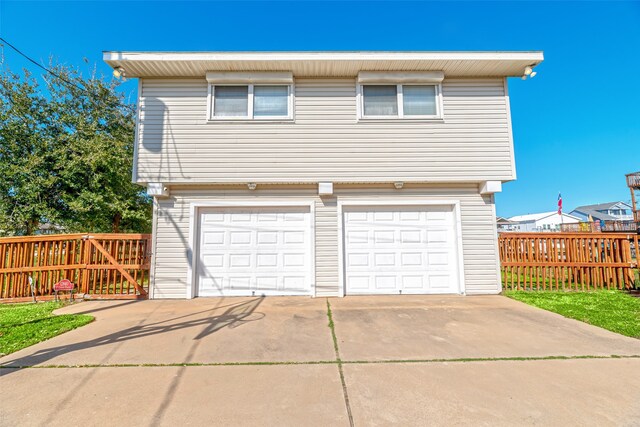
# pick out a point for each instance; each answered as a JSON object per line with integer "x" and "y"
{"x": 246, "y": 251}
{"x": 400, "y": 250}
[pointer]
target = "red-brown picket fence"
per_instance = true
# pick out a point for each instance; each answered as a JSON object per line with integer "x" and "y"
{"x": 111, "y": 266}
{"x": 567, "y": 261}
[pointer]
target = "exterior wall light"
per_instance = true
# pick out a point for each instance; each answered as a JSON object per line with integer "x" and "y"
{"x": 528, "y": 72}
{"x": 119, "y": 72}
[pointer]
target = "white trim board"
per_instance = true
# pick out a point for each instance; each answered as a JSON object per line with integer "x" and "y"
{"x": 533, "y": 56}
{"x": 136, "y": 135}
{"x": 399, "y": 201}
{"x": 154, "y": 239}
{"x": 194, "y": 212}
{"x": 512, "y": 147}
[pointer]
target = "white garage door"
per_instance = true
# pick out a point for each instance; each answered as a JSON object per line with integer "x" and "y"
{"x": 255, "y": 251}
{"x": 400, "y": 250}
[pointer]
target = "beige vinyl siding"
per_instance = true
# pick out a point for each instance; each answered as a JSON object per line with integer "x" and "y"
{"x": 172, "y": 256}
{"x": 326, "y": 142}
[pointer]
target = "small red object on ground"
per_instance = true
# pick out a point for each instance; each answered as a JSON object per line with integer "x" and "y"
{"x": 63, "y": 285}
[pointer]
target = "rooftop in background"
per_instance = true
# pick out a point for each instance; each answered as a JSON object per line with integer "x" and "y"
{"x": 610, "y": 211}
{"x": 537, "y": 216}
{"x": 601, "y": 206}
{"x": 324, "y": 63}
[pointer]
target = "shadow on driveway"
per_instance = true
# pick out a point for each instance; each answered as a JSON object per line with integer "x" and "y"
{"x": 235, "y": 315}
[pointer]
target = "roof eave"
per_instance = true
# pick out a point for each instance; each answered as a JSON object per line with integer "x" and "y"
{"x": 499, "y": 63}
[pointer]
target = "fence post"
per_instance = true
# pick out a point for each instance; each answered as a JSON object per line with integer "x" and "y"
{"x": 86, "y": 255}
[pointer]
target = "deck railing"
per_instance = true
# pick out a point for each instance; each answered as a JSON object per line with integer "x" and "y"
{"x": 580, "y": 227}
{"x": 100, "y": 265}
{"x": 600, "y": 226}
{"x": 633, "y": 180}
{"x": 567, "y": 261}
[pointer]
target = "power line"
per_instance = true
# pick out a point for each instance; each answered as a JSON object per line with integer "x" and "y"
{"x": 41, "y": 66}
{"x": 53, "y": 73}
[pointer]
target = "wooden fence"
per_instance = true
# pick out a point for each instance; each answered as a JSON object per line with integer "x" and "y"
{"x": 567, "y": 261}
{"x": 113, "y": 266}
{"x": 597, "y": 226}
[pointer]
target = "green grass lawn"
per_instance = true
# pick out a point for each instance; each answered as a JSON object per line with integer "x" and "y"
{"x": 612, "y": 310}
{"x": 22, "y": 325}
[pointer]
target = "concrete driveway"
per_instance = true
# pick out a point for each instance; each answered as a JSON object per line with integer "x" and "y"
{"x": 400, "y": 360}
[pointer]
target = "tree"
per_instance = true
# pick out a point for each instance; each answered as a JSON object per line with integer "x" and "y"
{"x": 66, "y": 154}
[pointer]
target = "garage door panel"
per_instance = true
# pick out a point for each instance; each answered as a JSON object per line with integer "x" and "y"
{"x": 440, "y": 282}
{"x": 254, "y": 251}
{"x": 413, "y": 282}
{"x": 358, "y": 282}
{"x": 412, "y": 236}
{"x": 267, "y": 260}
{"x": 240, "y": 237}
{"x": 412, "y": 259}
{"x": 267, "y": 283}
{"x": 385, "y": 282}
{"x": 295, "y": 284}
{"x": 400, "y": 249}
{"x": 267, "y": 237}
{"x": 216, "y": 260}
{"x": 212, "y": 238}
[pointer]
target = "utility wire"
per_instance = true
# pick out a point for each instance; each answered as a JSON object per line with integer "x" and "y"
{"x": 53, "y": 73}
{"x": 42, "y": 66}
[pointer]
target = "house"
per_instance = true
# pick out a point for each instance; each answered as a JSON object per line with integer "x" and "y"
{"x": 505, "y": 224}
{"x": 545, "y": 221}
{"x": 612, "y": 211}
{"x": 323, "y": 173}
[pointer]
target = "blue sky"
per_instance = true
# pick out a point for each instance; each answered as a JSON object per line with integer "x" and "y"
{"x": 576, "y": 124}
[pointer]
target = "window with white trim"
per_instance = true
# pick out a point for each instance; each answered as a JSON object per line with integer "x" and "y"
{"x": 400, "y": 101}
{"x": 250, "y": 102}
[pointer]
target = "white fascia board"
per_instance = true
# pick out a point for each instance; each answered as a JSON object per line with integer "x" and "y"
{"x": 533, "y": 56}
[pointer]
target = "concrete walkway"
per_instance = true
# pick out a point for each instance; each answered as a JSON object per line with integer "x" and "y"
{"x": 400, "y": 360}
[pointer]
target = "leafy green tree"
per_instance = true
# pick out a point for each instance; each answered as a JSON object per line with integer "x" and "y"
{"x": 27, "y": 187}
{"x": 66, "y": 154}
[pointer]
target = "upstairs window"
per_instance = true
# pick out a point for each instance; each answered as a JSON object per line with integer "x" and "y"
{"x": 251, "y": 101}
{"x": 419, "y": 100}
{"x": 231, "y": 101}
{"x": 271, "y": 101}
{"x": 400, "y": 95}
{"x": 250, "y": 96}
{"x": 380, "y": 100}
{"x": 400, "y": 101}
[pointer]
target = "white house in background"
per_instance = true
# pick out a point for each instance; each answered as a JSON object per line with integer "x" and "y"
{"x": 612, "y": 211}
{"x": 545, "y": 221}
{"x": 505, "y": 224}
{"x": 323, "y": 173}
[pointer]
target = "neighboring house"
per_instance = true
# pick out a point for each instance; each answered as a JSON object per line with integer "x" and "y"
{"x": 613, "y": 211}
{"x": 545, "y": 221}
{"x": 505, "y": 224}
{"x": 48, "y": 228}
{"x": 323, "y": 173}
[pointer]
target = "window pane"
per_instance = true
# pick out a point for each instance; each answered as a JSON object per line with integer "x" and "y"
{"x": 270, "y": 101}
{"x": 380, "y": 100}
{"x": 231, "y": 101}
{"x": 419, "y": 100}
